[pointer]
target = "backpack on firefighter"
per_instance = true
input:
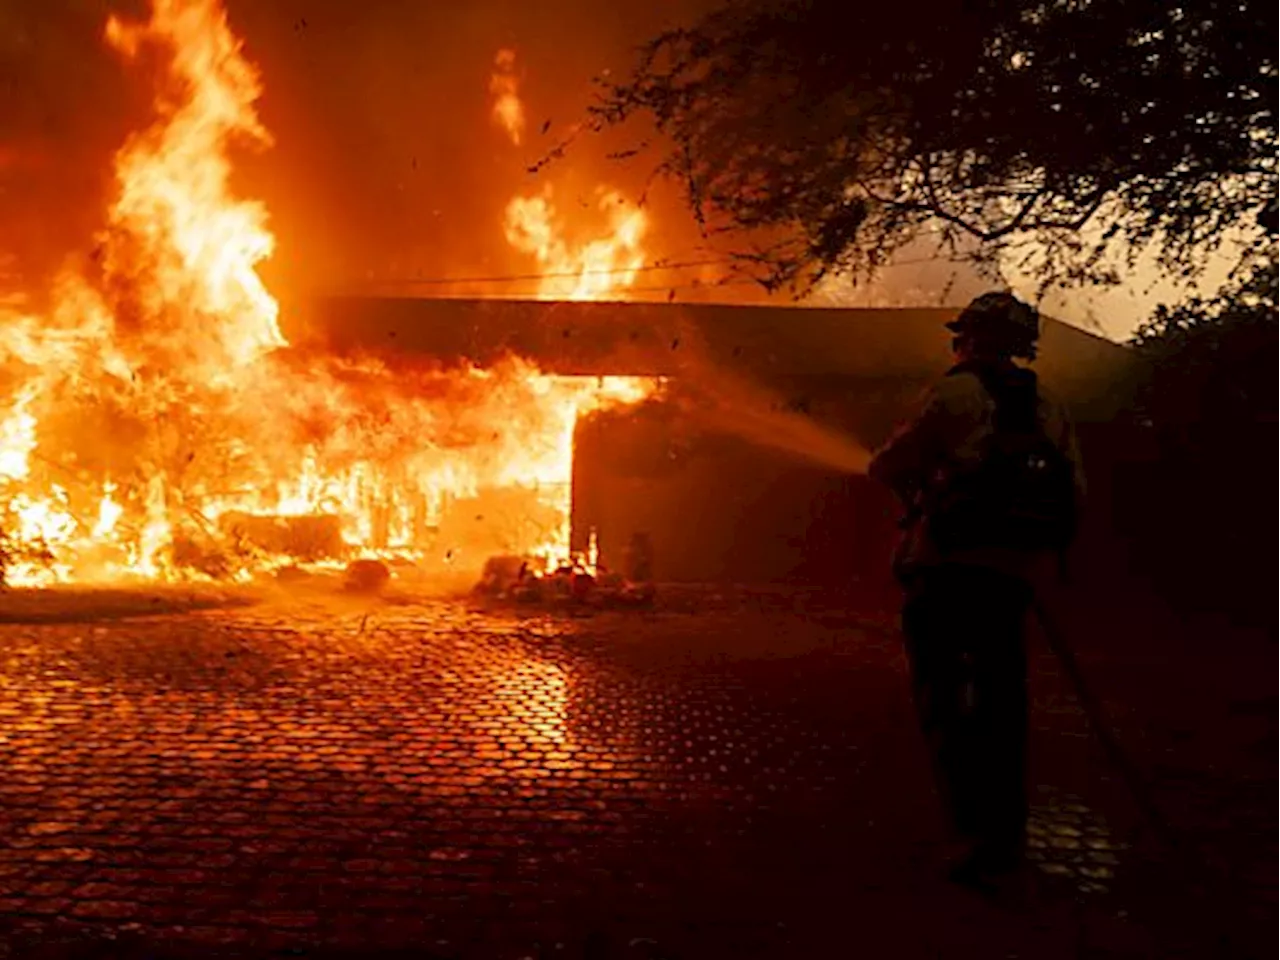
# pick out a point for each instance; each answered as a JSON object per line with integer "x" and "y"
{"x": 1020, "y": 493}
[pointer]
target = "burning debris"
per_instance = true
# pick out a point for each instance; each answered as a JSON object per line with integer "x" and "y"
{"x": 582, "y": 581}
{"x": 366, "y": 576}
{"x": 579, "y": 582}
{"x": 155, "y": 423}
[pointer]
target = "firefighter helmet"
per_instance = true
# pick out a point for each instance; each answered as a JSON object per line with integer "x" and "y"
{"x": 999, "y": 315}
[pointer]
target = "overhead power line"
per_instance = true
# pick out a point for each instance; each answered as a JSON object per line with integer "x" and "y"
{"x": 567, "y": 275}
{"x": 570, "y": 275}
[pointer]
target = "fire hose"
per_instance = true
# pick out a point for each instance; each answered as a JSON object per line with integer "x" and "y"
{"x": 1194, "y": 874}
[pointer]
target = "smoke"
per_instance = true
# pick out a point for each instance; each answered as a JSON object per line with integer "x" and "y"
{"x": 1117, "y": 311}
{"x": 725, "y": 402}
{"x": 389, "y": 165}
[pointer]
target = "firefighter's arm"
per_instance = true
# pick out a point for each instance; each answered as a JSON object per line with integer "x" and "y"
{"x": 903, "y": 464}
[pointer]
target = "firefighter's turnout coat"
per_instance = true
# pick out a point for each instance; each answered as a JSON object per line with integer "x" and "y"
{"x": 948, "y": 432}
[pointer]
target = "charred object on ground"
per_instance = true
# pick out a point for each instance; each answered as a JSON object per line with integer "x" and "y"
{"x": 515, "y": 579}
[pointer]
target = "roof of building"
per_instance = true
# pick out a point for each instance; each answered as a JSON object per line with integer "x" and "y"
{"x": 647, "y": 339}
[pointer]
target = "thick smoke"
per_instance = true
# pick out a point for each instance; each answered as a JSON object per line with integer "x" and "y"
{"x": 388, "y": 163}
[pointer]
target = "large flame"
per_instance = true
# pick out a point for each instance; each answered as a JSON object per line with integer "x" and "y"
{"x": 199, "y": 246}
{"x": 155, "y": 423}
{"x": 599, "y": 268}
{"x": 596, "y": 270}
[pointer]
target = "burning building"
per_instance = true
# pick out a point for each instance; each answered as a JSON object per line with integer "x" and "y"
{"x": 162, "y": 418}
{"x": 156, "y": 422}
{"x": 748, "y": 464}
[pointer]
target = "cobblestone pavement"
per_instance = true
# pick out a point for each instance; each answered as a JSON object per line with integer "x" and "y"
{"x": 319, "y": 779}
{"x": 1193, "y": 702}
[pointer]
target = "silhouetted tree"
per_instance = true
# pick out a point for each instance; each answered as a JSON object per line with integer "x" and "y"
{"x": 1208, "y": 510}
{"x": 830, "y": 133}
{"x": 1211, "y": 365}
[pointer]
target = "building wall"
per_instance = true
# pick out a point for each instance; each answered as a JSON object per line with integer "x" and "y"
{"x": 720, "y": 509}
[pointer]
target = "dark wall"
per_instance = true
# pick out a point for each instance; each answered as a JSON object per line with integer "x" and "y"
{"x": 719, "y": 509}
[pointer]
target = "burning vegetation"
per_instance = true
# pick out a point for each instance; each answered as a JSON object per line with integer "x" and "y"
{"x": 156, "y": 424}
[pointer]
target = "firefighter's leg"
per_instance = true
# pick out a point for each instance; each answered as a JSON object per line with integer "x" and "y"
{"x": 1000, "y": 717}
{"x": 934, "y": 624}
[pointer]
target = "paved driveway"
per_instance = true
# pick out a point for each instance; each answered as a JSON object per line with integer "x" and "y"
{"x": 739, "y": 779}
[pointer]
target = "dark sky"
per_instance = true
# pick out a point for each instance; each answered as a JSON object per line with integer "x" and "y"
{"x": 386, "y": 161}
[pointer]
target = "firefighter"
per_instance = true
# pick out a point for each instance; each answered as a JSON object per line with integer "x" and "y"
{"x": 989, "y": 475}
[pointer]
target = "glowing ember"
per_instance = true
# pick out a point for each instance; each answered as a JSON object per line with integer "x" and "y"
{"x": 155, "y": 423}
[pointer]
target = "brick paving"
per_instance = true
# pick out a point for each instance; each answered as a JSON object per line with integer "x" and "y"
{"x": 1193, "y": 701}
{"x": 738, "y": 778}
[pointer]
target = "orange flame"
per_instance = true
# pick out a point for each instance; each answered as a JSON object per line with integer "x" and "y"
{"x": 508, "y": 111}
{"x": 200, "y": 246}
{"x": 594, "y": 270}
{"x": 157, "y": 424}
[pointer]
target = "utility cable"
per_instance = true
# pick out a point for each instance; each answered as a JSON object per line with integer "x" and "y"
{"x": 613, "y": 271}
{"x": 566, "y": 275}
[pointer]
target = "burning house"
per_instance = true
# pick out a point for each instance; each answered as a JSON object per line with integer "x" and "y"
{"x": 162, "y": 418}
{"x": 747, "y": 462}
{"x": 156, "y": 423}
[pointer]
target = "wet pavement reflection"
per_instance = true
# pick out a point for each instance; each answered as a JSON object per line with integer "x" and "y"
{"x": 1067, "y": 839}
{"x": 430, "y": 776}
